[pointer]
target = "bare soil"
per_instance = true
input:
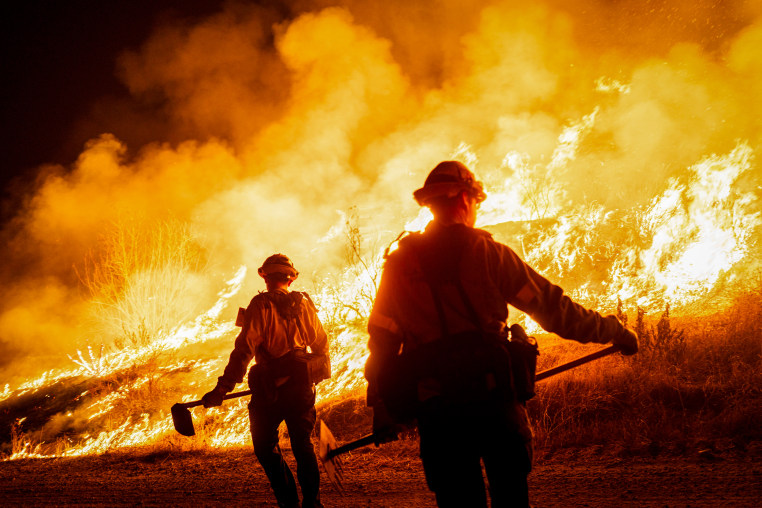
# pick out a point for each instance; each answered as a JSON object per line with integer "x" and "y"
{"x": 390, "y": 476}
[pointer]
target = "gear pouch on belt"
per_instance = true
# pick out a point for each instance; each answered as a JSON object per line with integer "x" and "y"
{"x": 265, "y": 377}
{"x": 315, "y": 367}
{"x": 523, "y": 351}
{"x": 461, "y": 368}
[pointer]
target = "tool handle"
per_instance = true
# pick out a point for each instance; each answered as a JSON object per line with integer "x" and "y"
{"x": 371, "y": 438}
{"x": 575, "y": 363}
{"x": 358, "y": 443}
{"x": 226, "y": 397}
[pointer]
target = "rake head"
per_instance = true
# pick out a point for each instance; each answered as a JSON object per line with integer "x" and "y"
{"x": 331, "y": 463}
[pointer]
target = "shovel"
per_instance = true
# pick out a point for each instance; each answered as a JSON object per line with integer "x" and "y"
{"x": 329, "y": 451}
{"x": 181, "y": 416}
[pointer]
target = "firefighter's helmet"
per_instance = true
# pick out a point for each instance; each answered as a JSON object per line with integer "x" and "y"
{"x": 278, "y": 263}
{"x": 448, "y": 179}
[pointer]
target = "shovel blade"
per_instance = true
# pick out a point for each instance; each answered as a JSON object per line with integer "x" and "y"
{"x": 182, "y": 419}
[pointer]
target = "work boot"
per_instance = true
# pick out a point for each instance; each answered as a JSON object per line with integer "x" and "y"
{"x": 315, "y": 503}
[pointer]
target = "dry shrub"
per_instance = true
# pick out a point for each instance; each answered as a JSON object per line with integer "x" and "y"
{"x": 688, "y": 387}
{"x": 142, "y": 282}
{"x": 348, "y": 418}
{"x": 345, "y": 299}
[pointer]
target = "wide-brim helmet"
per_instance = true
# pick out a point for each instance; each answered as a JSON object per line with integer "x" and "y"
{"x": 278, "y": 263}
{"x": 447, "y": 180}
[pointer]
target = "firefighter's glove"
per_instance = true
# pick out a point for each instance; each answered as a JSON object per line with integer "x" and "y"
{"x": 213, "y": 398}
{"x": 385, "y": 429}
{"x": 627, "y": 341}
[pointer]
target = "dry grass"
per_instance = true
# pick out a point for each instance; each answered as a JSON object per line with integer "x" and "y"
{"x": 695, "y": 383}
{"x": 141, "y": 280}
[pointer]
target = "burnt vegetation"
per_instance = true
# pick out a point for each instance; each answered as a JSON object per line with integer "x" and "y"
{"x": 349, "y": 297}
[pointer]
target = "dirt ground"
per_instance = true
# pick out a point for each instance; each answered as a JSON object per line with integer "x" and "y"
{"x": 390, "y": 476}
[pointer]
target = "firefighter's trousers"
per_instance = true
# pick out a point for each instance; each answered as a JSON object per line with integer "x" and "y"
{"x": 295, "y": 403}
{"x": 457, "y": 438}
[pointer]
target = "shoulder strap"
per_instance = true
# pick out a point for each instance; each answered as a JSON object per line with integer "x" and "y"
{"x": 396, "y": 240}
{"x": 288, "y": 308}
{"x": 299, "y": 323}
{"x": 287, "y": 305}
{"x": 307, "y": 297}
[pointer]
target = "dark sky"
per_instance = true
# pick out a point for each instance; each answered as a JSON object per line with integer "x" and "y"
{"x": 58, "y": 57}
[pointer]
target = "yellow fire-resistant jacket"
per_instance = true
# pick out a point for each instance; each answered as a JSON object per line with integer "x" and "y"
{"x": 267, "y": 335}
{"x": 491, "y": 274}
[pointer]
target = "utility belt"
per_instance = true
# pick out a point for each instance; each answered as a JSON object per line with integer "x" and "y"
{"x": 297, "y": 366}
{"x": 469, "y": 367}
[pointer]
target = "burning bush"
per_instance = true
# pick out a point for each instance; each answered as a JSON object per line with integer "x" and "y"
{"x": 143, "y": 282}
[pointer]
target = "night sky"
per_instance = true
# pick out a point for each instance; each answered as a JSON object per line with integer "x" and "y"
{"x": 58, "y": 60}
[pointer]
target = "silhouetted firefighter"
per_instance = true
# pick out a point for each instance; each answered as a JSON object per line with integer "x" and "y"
{"x": 277, "y": 328}
{"x": 439, "y": 352}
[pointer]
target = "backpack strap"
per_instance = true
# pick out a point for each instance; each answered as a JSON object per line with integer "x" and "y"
{"x": 309, "y": 300}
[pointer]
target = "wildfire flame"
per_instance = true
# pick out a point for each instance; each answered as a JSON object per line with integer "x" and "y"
{"x": 622, "y": 179}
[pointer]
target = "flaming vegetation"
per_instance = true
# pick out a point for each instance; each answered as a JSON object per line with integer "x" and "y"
{"x": 697, "y": 381}
{"x": 141, "y": 285}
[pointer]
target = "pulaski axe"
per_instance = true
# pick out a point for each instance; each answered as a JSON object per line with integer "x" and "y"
{"x": 181, "y": 415}
{"x": 329, "y": 451}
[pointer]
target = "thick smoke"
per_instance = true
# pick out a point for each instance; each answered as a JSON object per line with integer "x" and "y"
{"x": 282, "y": 123}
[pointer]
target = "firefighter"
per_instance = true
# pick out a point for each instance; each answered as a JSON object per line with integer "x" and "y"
{"x": 437, "y": 333}
{"x": 277, "y": 328}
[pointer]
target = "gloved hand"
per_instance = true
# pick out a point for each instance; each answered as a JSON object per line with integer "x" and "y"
{"x": 213, "y": 398}
{"x": 385, "y": 429}
{"x": 627, "y": 342}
